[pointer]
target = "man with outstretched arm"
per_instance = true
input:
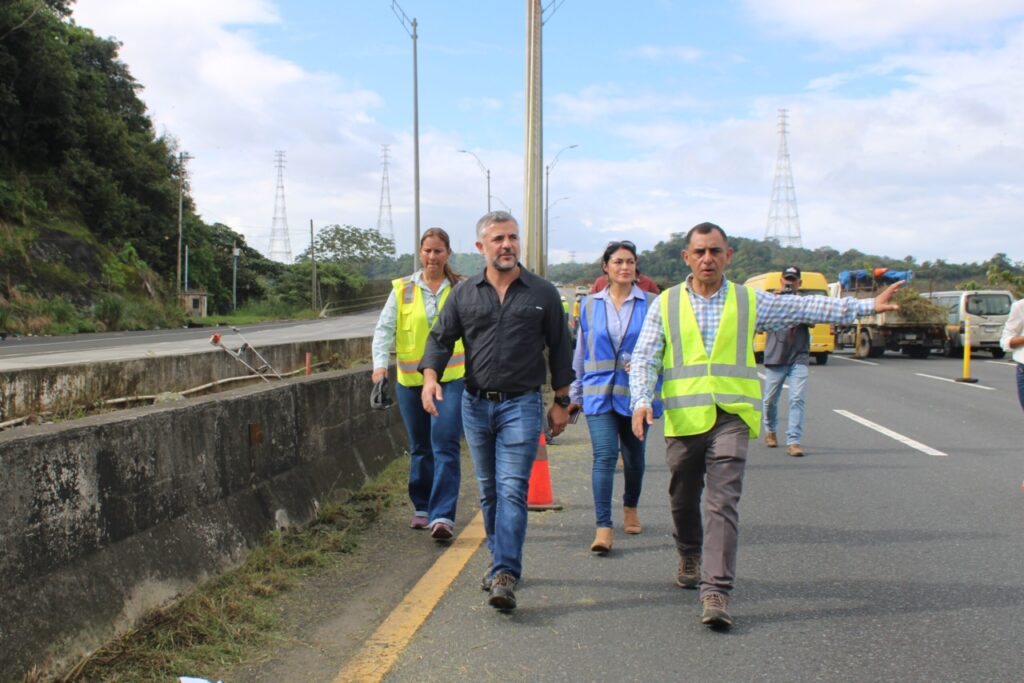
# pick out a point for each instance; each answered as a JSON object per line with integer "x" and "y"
{"x": 505, "y": 316}
{"x": 699, "y": 334}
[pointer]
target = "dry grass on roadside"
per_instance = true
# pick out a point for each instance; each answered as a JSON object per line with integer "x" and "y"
{"x": 225, "y": 620}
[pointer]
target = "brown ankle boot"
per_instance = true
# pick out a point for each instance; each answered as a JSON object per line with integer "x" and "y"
{"x": 631, "y": 521}
{"x": 602, "y": 540}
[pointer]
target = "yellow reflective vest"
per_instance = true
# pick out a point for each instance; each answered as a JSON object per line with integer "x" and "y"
{"x": 695, "y": 384}
{"x": 411, "y": 330}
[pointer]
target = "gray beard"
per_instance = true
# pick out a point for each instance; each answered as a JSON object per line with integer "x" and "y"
{"x": 496, "y": 264}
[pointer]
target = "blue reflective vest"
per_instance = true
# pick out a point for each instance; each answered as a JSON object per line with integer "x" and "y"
{"x": 605, "y": 380}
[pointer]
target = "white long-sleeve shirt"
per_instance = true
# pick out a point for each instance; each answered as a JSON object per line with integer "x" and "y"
{"x": 1014, "y": 327}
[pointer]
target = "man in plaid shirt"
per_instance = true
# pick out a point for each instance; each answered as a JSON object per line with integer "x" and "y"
{"x": 699, "y": 334}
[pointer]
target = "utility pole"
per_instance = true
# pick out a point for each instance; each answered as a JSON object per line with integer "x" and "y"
{"x": 182, "y": 158}
{"x": 532, "y": 227}
{"x": 234, "y": 276}
{"x": 312, "y": 253}
{"x": 533, "y": 153}
{"x": 410, "y": 27}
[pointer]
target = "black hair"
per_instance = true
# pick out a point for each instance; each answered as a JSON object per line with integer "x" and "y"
{"x": 704, "y": 229}
{"x": 614, "y": 247}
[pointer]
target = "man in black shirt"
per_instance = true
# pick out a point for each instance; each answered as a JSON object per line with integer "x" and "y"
{"x": 505, "y": 316}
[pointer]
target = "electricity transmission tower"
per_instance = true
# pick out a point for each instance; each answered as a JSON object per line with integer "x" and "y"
{"x": 384, "y": 224}
{"x": 280, "y": 243}
{"x": 783, "y": 218}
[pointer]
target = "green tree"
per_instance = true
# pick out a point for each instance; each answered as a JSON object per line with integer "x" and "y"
{"x": 357, "y": 247}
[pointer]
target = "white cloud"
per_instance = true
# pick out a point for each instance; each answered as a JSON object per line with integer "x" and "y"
{"x": 865, "y": 23}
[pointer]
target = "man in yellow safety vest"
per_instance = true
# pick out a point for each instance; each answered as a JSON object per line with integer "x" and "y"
{"x": 700, "y": 335}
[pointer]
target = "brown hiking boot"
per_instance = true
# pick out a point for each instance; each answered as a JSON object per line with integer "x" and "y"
{"x": 631, "y": 521}
{"x": 795, "y": 450}
{"x": 770, "y": 440}
{"x": 688, "y": 574}
{"x": 716, "y": 611}
{"x": 503, "y": 596}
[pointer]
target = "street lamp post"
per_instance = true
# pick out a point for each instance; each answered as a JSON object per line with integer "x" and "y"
{"x": 410, "y": 27}
{"x": 182, "y": 158}
{"x": 547, "y": 196}
{"x": 487, "y": 172}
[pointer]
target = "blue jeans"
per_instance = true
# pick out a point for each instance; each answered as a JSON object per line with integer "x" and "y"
{"x": 434, "y": 463}
{"x": 503, "y": 438}
{"x": 1020, "y": 384}
{"x": 775, "y": 375}
{"x": 608, "y": 433}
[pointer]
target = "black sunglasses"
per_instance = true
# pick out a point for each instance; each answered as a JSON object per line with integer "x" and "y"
{"x": 621, "y": 243}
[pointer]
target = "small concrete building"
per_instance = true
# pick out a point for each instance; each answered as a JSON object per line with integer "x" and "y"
{"x": 194, "y": 301}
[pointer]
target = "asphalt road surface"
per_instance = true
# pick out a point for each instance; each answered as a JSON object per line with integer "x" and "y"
{"x": 880, "y": 556}
{"x": 32, "y": 352}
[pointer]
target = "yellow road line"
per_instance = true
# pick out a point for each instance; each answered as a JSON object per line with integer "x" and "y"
{"x": 382, "y": 649}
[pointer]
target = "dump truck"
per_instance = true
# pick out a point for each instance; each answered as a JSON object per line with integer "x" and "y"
{"x": 915, "y": 329}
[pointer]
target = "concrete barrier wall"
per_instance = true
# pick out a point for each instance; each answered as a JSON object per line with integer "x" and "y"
{"x": 29, "y": 391}
{"x": 106, "y": 517}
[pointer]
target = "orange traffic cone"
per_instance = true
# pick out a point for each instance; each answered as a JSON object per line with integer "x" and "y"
{"x": 539, "y": 496}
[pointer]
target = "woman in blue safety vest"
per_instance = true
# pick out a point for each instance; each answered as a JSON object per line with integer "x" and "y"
{"x": 411, "y": 310}
{"x": 610, "y": 322}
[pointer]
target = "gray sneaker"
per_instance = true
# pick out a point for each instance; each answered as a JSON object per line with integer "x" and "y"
{"x": 688, "y": 574}
{"x": 716, "y": 611}
{"x": 503, "y": 594}
{"x": 485, "y": 583}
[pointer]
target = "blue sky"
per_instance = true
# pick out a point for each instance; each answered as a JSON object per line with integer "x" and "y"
{"x": 905, "y": 128}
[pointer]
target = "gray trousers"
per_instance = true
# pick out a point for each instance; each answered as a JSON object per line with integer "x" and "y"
{"x": 715, "y": 460}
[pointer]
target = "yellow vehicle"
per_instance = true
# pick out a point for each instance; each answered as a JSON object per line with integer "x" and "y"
{"x": 823, "y": 341}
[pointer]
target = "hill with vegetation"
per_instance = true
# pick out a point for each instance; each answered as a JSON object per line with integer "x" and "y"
{"x": 664, "y": 264}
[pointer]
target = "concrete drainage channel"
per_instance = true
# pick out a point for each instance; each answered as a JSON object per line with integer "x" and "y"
{"x": 108, "y": 516}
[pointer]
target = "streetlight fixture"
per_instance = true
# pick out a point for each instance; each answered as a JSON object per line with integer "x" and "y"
{"x": 547, "y": 207}
{"x": 182, "y": 158}
{"x": 410, "y": 27}
{"x": 487, "y": 172}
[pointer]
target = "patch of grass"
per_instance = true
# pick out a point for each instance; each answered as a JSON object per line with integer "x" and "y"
{"x": 226, "y": 620}
{"x": 260, "y": 311}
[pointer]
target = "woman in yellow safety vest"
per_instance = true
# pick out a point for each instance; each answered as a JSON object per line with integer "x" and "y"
{"x": 411, "y": 310}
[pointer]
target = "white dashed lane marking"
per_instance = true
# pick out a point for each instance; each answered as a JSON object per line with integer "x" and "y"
{"x": 906, "y": 440}
{"x": 947, "y": 379}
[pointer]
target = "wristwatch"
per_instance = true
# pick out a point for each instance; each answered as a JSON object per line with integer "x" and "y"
{"x": 563, "y": 401}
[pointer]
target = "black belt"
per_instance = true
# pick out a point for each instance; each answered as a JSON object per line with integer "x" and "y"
{"x": 496, "y": 396}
